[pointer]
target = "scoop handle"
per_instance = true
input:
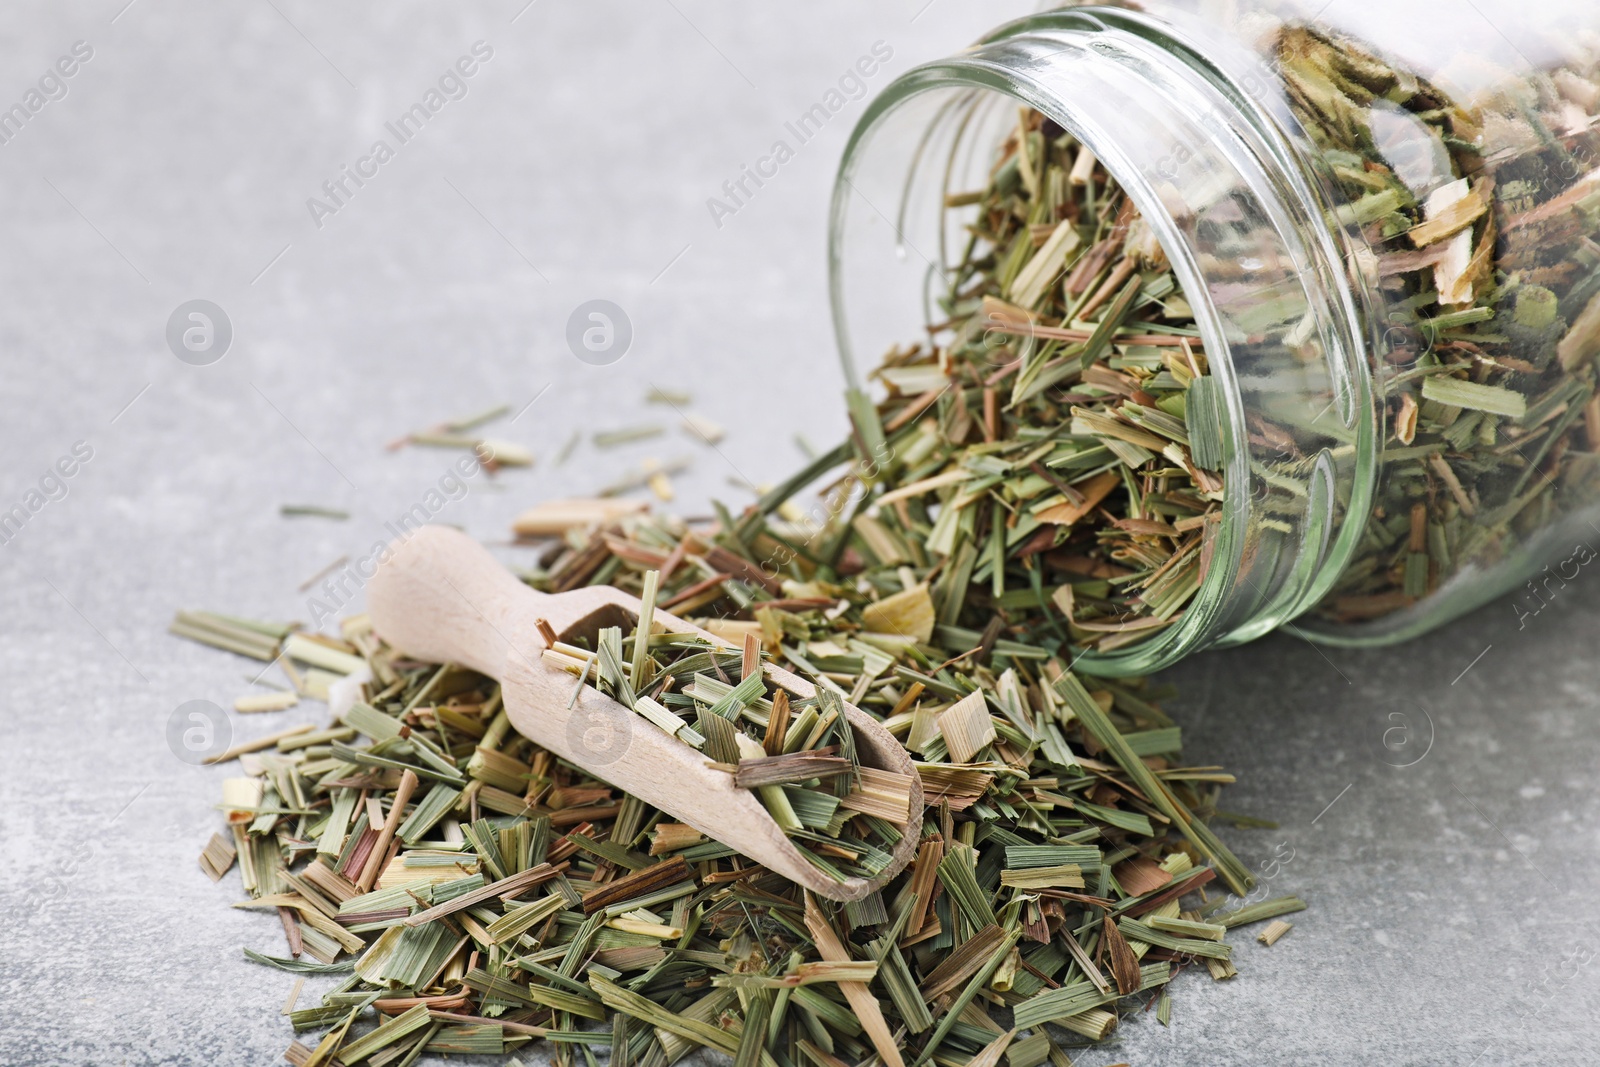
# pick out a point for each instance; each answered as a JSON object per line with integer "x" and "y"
{"x": 440, "y": 596}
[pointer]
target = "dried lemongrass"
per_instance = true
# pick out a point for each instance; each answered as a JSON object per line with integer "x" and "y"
{"x": 1066, "y": 876}
{"x": 626, "y": 435}
{"x": 908, "y": 613}
{"x": 1492, "y": 322}
{"x": 517, "y": 897}
{"x": 265, "y": 702}
{"x": 1188, "y": 928}
{"x": 703, "y": 429}
{"x": 671, "y": 837}
{"x": 1254, "y": 913}
{"x": 566, "y": 847}
{"x": 967, "y": 728}
{"x": 217, "y": 857}
{"x": 556, "y": 517}
{"x": 247, "y": 637}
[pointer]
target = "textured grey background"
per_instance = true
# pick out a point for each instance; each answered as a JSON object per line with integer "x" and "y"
{"x": 1450, "y": 919}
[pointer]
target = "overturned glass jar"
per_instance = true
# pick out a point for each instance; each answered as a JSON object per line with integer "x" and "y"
{"x": 1384, "y": 223}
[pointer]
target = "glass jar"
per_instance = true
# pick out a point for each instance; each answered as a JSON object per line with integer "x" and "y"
{"x": 1384, "y": 217}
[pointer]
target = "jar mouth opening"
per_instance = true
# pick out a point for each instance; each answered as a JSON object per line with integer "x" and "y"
{"x": 1173, "y": 640}
{"x": 1212, "y": 615}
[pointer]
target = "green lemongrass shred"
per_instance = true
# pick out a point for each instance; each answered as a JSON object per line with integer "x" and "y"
{"x": 298, "y": 966}
{"x": 1254, "y": 913}
{"x": 1234, "y": 874}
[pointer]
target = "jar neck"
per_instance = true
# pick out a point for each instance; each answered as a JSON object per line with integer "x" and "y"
{"x": 1241, "y": 216}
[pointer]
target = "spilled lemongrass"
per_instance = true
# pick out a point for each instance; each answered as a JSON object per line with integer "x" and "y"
{"x": 1254, "y": 913}
{"x": 1273, "y": 931}
{"x": 247, "y": 637}
{"x": 517, "y": 898}
{"x": 1188, "y": 928}
{"x": 626, "y": 435}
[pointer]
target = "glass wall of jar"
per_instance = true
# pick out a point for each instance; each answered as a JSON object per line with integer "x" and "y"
{"x": 1383, "y": 219}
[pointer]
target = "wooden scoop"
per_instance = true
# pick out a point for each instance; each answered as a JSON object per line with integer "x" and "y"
{"x": 443, "y": 598}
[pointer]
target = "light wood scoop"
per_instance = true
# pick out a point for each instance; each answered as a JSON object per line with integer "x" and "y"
{"x": 441, "y": 597}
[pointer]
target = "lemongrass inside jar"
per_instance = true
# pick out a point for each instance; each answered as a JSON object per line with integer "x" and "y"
{"x": 1373, "y": 249}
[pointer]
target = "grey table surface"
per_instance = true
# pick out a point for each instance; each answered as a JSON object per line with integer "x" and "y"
{"x": 1446, "y": 869}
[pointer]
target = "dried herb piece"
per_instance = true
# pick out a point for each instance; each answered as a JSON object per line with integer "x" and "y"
{"x": 217, "y": 857}
{"x": 1124, "y": 964}
{"x": 1254, "y": 913}
{"x": 290, "y": 511}
{"x": 627, "y": 435}
{"x": 247, "y": 637}
{"x": 255, "y": 702}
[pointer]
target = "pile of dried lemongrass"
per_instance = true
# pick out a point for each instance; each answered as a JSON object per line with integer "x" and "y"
{"x": 469, "y": 892}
